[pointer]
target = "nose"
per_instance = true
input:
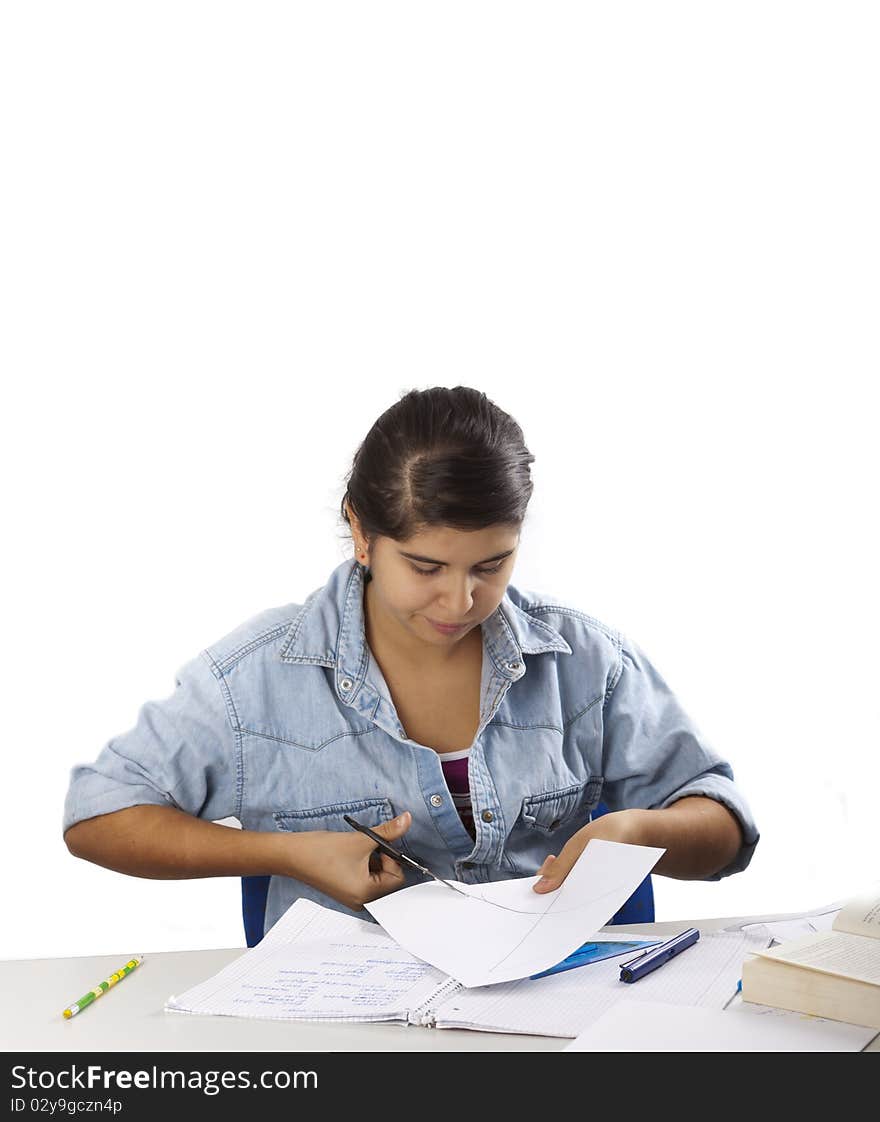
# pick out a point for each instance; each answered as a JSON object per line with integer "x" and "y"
{"x": 457, "y": 598}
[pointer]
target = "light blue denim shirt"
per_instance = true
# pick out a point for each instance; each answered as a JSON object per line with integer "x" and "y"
{"x": 286, "y": 724}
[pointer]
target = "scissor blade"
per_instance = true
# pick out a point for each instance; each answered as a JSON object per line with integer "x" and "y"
{"x": 449, "y": 884}
{"x": 430, "y": 873}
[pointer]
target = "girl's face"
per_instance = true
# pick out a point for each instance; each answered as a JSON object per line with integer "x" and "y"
{"x": 441, "y": 576}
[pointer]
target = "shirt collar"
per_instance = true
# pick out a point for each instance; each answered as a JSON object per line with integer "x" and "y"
{"x": 329, "y": 631}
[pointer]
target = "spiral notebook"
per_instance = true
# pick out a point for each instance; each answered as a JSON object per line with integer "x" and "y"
{"x": 319, "y": 965}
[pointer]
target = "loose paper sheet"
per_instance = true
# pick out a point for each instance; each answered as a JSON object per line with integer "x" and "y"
{"x": 631, "y": 1026}
{"x": 705, "y": 974}
{"x": 794, "y": 926}
{"x": 503, "y": 931}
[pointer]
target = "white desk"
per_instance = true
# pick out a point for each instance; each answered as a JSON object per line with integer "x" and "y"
{"x": 130, "y": 1018}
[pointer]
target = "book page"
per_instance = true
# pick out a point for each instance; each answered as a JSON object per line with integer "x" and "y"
{"x": 861, "y": 916}
{"x": 316, "y": 964}
{"x": 833, "y": 952}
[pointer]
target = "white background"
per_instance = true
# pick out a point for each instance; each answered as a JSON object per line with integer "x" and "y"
{"x": 235, "y": 233}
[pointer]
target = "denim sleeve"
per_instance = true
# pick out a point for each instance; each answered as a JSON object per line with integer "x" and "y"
{"x": 182, "y": 752}
{"x": 654, "y": 755}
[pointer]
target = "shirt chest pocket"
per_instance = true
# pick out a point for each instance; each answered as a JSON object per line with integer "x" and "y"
{"x": 568, "y": 808}
{"x": 369, "y": 812}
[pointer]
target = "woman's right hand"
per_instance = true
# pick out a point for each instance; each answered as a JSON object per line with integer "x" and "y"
{"x": 165, "y": 843}
{"x": 339, "y": 863}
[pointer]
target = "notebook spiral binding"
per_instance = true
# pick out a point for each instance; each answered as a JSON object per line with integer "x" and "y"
{"x": 426, "y": 1013}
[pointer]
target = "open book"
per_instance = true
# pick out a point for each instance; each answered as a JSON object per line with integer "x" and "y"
{"x": 834, "y": 974}
{"x": 317, "y": 964}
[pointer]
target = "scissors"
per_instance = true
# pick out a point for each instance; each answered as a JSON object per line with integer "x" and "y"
{"x": 401, "y": 857}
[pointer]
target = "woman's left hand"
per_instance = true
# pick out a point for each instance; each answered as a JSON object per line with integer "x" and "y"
{"x": 618, "y": 826}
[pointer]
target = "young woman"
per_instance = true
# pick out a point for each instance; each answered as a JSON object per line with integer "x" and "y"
{"x": 470, "y": 723}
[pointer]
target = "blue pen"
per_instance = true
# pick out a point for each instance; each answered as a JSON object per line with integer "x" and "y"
{"x": 739, "y": 986}
{"x": 649, "y": 960}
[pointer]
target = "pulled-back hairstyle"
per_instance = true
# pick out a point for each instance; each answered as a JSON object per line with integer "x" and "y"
{"x": 439, "y": 457}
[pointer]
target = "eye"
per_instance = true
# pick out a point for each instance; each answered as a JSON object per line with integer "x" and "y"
{"x": 431, "y": 572}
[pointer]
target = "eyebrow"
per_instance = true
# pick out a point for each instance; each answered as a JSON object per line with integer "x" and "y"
{"x": 434, "y": 561}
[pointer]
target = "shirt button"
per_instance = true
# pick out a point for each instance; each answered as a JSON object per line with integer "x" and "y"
{"x": 436, "y": 800}
{"x": 487, "y": 815}
{"x": 514, "y": 665}
{"x": 346, "y": 684}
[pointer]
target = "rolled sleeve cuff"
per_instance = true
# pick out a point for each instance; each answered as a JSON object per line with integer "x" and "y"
{"x": 82, "y": 804}
{"x": 722, "y": 790}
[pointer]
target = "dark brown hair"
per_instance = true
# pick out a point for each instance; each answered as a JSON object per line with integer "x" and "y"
{"x": 439, "y": 457}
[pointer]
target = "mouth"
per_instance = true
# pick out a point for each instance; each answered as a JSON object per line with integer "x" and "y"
{"x": 446, "y": 628}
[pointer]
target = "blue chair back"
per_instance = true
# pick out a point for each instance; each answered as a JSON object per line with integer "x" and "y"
{"x": 254, "y": 891}
{"x": 639, "y": 908}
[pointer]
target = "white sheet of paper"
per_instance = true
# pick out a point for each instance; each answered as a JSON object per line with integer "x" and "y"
{"x": 817, "y": 919}
{"x": 564, "y": 1004}
{"x": 784, "y": 930}
{"x": 503, "y": 930}
{"x": 642, "y": 1026}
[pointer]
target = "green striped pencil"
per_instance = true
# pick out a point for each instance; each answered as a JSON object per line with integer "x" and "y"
{"x": 100, "y": 990}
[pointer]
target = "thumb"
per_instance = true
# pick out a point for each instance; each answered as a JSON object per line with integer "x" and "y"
{"x": 552, "y": 873}
{"x": 548, "y": 861}
{"x": 395, "y": 828}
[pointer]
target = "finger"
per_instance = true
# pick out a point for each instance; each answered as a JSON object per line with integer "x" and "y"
{"x": 386, "y": 875}
{"x": 555, "y": 873}
{"x": 395, "y": 828}
{"x": 548, "y": 874}
{"x": 390, "y": 869}
{"x": 547, "y": 860}
{"x": 390, "y": 879}
{"x": 381, "y": 864}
